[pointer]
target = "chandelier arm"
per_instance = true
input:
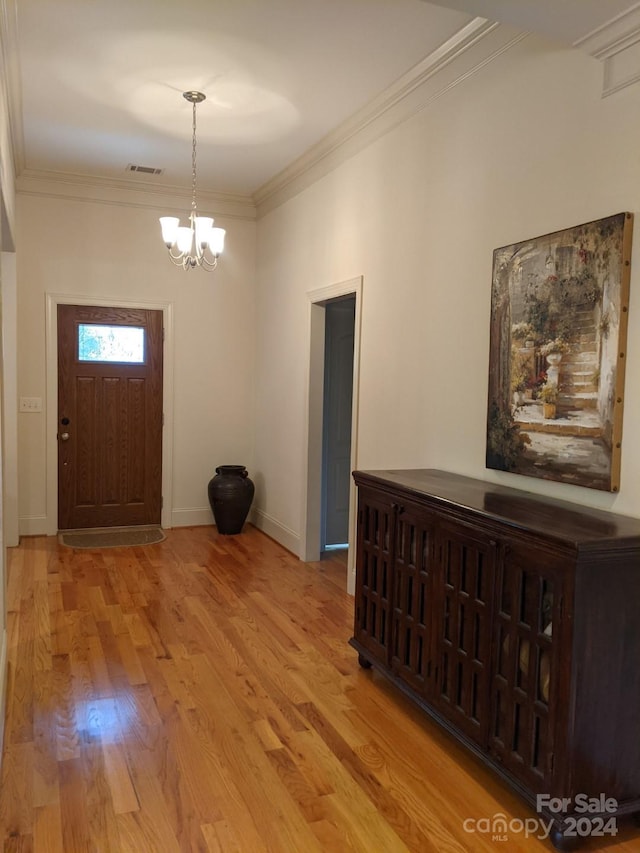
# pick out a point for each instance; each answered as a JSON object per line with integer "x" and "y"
{"x": 212, "y": 255}
{"x": 209, "y": 265}
{"x": 182, "y": 260}
{"x": 177, "y": 259}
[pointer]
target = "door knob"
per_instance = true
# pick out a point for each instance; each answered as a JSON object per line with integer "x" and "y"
{"x": 64, "y": 436}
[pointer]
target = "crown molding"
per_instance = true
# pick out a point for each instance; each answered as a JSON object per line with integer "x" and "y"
{"x": 613, "y": 36}
{"x": 617, "y": 45}
{"x": 464, "y": 54}
{"x": 622, "y": 70}
{"x": 12, "y": 85}
{"x": 167, "y": 199}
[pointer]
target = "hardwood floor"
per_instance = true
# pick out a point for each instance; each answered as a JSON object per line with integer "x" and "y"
{"x": 200, "y": 695}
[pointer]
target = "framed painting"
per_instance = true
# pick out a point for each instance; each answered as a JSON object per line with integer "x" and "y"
{"x": 559, "y": 316}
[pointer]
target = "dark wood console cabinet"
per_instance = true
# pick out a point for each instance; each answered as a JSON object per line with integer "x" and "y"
{"x": 514, "y": 621}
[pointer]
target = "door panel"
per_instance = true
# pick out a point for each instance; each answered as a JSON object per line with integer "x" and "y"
{"x": 109, "y": 418}
{"x": 374, "y": 573}
{"x": 525, "y": 666}
{"x": 463, "y": 627}
{"x": 412, "y": 596}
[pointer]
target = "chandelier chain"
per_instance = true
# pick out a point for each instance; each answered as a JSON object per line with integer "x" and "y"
{"x": 193, "y": 161}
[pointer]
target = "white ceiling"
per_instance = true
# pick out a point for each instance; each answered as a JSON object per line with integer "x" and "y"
{"x": 100, "y": 82}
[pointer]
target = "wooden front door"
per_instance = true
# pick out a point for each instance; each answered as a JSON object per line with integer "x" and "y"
{"x": 109, "y": 416}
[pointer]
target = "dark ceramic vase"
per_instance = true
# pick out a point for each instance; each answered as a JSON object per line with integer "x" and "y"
{"x": 230, "y": 495}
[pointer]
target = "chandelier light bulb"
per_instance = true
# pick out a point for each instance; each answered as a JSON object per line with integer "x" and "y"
{"x": 198, "y": 244}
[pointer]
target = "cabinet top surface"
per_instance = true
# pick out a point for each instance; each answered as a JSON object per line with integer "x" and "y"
{"x": 553, "y": 518}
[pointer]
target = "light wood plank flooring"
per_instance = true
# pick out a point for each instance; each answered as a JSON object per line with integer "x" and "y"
{"x": 200, "y": 695}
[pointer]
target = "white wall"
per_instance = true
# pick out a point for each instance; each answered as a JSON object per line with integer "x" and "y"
{"x": 524, "y": 147}
{"x": 114, "y": 252}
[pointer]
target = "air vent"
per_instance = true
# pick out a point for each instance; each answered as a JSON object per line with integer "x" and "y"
{"x": 145, "y": 170}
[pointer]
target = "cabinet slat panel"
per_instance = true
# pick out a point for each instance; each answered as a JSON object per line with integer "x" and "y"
{"x": 411, "y": 653}
{"x": 462, "y": 628}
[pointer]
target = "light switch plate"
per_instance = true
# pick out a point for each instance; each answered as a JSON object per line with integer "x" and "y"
{"x": 30, "y": 404}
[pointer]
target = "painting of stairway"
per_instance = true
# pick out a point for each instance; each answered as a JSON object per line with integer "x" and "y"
{"x": 559, "y": 315}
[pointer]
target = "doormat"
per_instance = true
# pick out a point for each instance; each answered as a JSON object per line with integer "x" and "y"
{"x": 113, "y": 537}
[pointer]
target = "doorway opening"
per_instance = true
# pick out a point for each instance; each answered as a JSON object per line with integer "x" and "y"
{"x": 336, "y": 422}
{"x": 334, "y": 342}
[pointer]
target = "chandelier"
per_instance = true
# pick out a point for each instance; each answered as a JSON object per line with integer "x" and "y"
{"x": 198, "y": 244}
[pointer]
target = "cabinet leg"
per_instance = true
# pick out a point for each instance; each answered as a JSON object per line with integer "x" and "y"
{"x": 364, "y": 663}
{"x": 561, "y": 842}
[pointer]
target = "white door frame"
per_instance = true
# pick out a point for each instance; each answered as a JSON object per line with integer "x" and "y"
{"x": 310, "y": 545}
{"x": 10, "y": 525}
{"x": 55, "y": 299}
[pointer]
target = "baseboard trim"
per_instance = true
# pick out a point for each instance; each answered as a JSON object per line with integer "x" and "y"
{"x": 191, "y": 517}
{"x": 286, "y": 537}
{"x": 3, "y": 691}
{"x": 33, "y": 525}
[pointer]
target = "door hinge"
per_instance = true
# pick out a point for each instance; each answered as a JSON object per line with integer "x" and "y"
{"x": 163, "y": 334}
{"x": 162, "y": 502}
{"x": 163, "y": 419}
